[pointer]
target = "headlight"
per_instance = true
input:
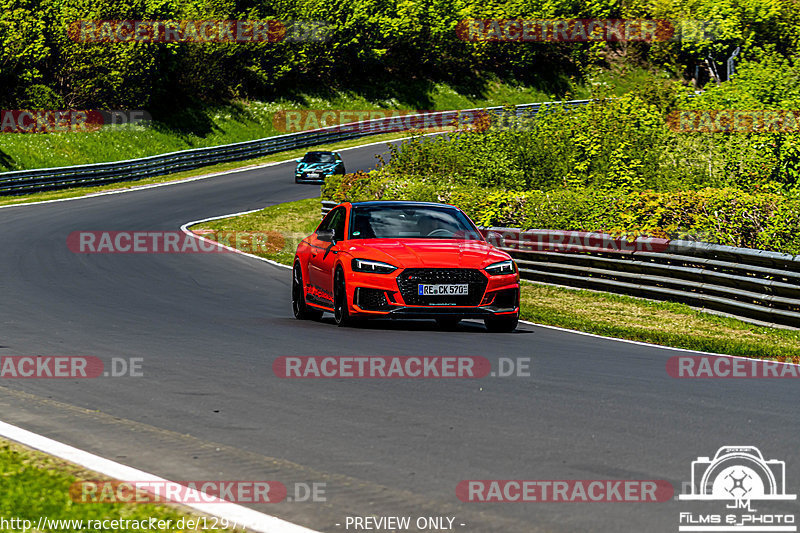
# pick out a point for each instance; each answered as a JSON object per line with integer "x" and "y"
{"x": 501, "y": 268}
{"x": 373, "y": 267}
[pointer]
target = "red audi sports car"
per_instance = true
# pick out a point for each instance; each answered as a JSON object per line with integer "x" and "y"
{"x": 404, "y": 260}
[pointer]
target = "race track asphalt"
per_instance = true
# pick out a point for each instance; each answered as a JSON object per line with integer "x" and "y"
{"x": 209, "y": 326}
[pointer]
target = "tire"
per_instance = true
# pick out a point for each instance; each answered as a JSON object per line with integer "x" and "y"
{"x": 299, "y": 307}
{"x": 501, "y": 325}
{"x": 341, "y": 314}
{"x": 448, "y": 324}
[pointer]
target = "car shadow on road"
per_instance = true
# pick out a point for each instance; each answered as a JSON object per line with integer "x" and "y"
{"x": 465, "y": 326}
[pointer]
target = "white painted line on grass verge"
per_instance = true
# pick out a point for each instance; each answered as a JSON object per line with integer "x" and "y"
{"x": 185, "y": 229}
{"x": 242, "y": 516}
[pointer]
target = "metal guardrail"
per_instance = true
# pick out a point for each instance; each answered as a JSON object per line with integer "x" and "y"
{"x": 327, "y": 205}
{"x": 28, "y": 181}
{"x": 751, "y": 284}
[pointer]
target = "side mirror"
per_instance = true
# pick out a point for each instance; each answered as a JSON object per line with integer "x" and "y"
{"x": 325, "y": 235}
{"x": 298, "y": 160}
{"x": 495, "y": 239}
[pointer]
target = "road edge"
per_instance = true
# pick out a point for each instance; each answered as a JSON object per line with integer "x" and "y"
{"x": 234, "y": 513}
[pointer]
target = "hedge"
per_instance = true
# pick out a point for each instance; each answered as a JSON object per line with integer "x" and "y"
{"x": 765, "y": 219}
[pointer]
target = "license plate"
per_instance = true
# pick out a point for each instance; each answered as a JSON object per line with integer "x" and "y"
{"x": 439, "y": 290}
{"x": 312, "y": 175}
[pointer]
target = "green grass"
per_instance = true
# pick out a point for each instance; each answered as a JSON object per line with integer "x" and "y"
{"x": 285, "y": 225}
{"x": 211, "y": 169}
{"x": 625, "y": 317}
{"x": 665, "y": 323}
{"x": 620, "y": 79}
{"x": 34, "y": 485}
{"x": 239, "y": 121}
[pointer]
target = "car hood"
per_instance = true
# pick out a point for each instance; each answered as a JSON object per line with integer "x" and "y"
{"x": 430, "y": 253}
{"x": 322, "y": 167}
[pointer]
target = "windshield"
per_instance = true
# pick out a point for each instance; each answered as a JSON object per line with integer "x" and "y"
{"x": 411, "y": 222}
{"x": 319, "y": 157}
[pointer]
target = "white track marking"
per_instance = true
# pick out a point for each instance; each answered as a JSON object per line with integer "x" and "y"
{"x": 242, "y": 516}
{"x": 187, "y": 231}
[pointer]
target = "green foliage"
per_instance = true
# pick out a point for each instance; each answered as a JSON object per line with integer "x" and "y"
{"x": 764, "y": 79}
{"x": 727, "y": 24}
{"x": 615, "y": 166}
{"x": 370, "y": 44}
{"x": 23, "y": 44}
{"x": 623, "y": 143}
{"x": 764, "y": 220}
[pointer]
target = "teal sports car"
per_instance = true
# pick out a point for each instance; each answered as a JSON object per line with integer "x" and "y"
{"x": 314, "y": 167}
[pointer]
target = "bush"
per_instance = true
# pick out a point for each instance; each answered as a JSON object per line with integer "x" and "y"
{"x": 763, "y": 220}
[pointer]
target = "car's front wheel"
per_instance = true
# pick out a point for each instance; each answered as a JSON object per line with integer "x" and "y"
{"x": 301, "y": 310}
{"x": 501, "y": 324}
{"x": 340, "y": 311}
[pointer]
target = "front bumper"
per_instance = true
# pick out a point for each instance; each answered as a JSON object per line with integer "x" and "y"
{"x": 439, "y": 312}
{"x": 380, "y": 295}
{"x": 303, "y": 178}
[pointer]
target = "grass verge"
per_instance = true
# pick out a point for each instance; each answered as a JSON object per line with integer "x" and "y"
{"x": 34, "y": 485}
{"x": 211, "y": 169}
{"x": 625, "y": 317}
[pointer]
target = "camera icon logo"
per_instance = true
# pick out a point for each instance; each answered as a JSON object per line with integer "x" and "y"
{"x": 738, "y": 473}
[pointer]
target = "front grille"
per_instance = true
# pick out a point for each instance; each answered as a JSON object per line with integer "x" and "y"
{"x": 409, "y": 280}
{"x": 371, "y": 299}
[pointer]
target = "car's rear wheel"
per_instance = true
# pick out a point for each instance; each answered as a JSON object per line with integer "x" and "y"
{"x": 301, "y": 310}
{"x": 447, "y": 324}
{"x": 501, "y": 324}
{"x": 340, "y": 312}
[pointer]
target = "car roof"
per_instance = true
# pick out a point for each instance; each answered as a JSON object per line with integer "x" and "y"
{"x": 399, "y": 203}
{"x": 320, "y": 152}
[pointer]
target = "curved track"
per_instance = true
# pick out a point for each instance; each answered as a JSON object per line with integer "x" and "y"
{"x": 208, "y": 327}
